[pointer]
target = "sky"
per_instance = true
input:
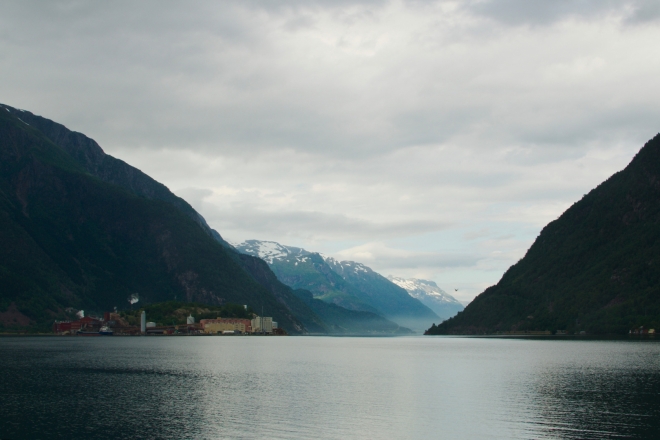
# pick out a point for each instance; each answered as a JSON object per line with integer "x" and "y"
{"x": 424, "y": 139}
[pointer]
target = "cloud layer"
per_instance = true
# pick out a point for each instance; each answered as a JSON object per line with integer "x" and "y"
{"x": 435, "y": 137}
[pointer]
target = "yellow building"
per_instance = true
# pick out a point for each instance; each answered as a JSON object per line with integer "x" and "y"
{"x": 213, "y": 326}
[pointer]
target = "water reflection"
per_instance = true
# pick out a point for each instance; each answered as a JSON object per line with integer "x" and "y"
{"x": 612, "y": 393}
{"x": 330, "y": 388}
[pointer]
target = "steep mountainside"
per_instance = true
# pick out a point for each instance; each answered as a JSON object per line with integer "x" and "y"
{"x": 72, "y": 238}
{"x": 433, "y": 297}
{"x": 88, "y": 154}
{"x": 111, "y": 170}
{"x": 595, "y": 269}
{"x": 347, "y": 284}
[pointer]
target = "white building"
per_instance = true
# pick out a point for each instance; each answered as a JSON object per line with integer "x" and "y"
{"x": 266, "y": 321}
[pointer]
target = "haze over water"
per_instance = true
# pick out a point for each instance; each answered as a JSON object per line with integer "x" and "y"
{"x": 328, "y": 388}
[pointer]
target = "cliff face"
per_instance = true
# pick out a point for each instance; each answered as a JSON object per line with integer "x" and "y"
{"x": 594, "y": 269}
{"x": 70, "y": 237}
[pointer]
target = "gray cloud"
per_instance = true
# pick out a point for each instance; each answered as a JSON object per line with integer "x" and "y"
{"x": 418, "y": 125}
{"x": 543, "y": 13}
{"x": 241, "y": 218}
{"x": 437, "y": 261}
{"x": 644, "y": 11}
{"x": 226, "y": 77}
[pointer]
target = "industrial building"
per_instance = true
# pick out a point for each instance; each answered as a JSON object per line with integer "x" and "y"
{"x": 258, "y": 324}
{"x": 219, "y": 325}
{"x": 262, "y": 324}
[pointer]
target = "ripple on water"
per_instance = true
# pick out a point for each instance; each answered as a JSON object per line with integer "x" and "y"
{"x": 328, "y": 388}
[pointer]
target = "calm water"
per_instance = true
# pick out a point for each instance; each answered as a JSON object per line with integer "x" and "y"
{"x": 328, "y": 388}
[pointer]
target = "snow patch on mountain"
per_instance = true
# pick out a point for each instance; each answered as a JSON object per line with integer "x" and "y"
{"x": 428, "y": 292}
{"x": 270, "y": 251}
{"x": 419, "y": 289}
{"x": 346, "y": 265}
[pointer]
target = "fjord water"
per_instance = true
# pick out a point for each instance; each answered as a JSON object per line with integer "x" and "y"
{"x": 328, "y": 388}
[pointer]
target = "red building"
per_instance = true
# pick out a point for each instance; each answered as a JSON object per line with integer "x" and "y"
{"x": 84, "y": 324}
{"x": 62, "y": 326}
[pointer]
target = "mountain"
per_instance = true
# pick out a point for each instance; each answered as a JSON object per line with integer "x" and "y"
{"x": 429, "y": 294}
{"x": 594, "y": 269}
{"x": 88, "y": 154}
{"x": 301, "y": 269}
{"x": 388, "y": 298}
{"x": 296, "y": 313}
{"x": 81, "y": 229}
{"x": 348, "y": 284}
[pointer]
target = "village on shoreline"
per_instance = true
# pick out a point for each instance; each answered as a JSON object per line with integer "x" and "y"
{"x": 114, "y": 324}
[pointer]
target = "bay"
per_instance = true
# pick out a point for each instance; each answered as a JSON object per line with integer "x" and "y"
{"x": 328, "y": 388}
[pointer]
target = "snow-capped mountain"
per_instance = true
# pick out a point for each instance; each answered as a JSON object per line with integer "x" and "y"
{"x": 301, "y": 269}
{"x": 428, "y": 292}
{"x": 393, "y": 300}
{"x": 348, "y": 284}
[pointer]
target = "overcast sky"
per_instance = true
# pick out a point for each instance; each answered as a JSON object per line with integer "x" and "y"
{"x": 424, "y": 139}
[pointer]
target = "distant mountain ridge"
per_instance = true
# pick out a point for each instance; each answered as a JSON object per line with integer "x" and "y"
{"x": 393, "y": 301}
{"x": 428, "y": 292}
{"x": 348, "y": 284}
{"x": 594, "y": 269}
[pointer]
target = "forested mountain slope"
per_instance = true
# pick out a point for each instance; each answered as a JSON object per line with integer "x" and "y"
{"x": 72, "y": 237}
{"x": 594, "y": 269}
{"x": 87, "y": 153}
{"x": 91, "y": 157}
